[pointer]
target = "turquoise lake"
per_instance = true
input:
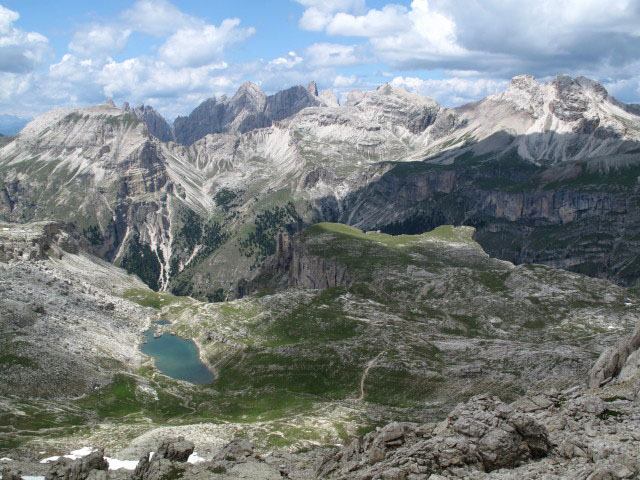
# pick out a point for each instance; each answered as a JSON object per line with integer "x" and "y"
{"x": 177, "y": 358}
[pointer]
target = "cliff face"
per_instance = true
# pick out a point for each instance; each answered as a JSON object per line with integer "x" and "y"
{"x": 247, "y": 110}
{"x": 156, "y": 124}
{"x": 545, "y": 172}
{"x": 294, "y": 265}
{"x": 575, "y": 216}
{"x": 309, "y": 271}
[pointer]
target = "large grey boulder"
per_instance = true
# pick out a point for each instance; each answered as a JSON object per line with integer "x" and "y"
{"x": 613, "y": 359}
{"x": 10, "y": 475}
{"x": 483, "y": 434}
{"x": 167, "y": 462}
{"x": 80, "y": 469}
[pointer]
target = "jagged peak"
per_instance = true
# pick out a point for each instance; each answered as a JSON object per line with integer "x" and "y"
{"x": 592, "y": 85}
{"x": 109, "y": 102}
{"x": 524, "y": 82}
{"x": 330, "y": 98}
{"x": 354, "y": 97}
{"x": 126, "y": 107}
{"x": 249, "y": 89}
{"x": 313, "y": 88}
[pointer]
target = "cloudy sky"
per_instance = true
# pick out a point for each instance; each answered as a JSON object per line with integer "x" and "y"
{"x": 173, "y": 55}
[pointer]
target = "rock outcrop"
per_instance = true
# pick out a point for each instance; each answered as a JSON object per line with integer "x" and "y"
{"x": 156, "y": 124}
{"x": 614, "y": 359}
{"x": 168, "y": 462}
{"x": 91, "y": 467}
{"x": 247, "y": 110}
{"x": 35, "y": 241}
{"x": 8, "y": 474}
{"x": 293, "y": 266}
{"x": 484, "y": 434}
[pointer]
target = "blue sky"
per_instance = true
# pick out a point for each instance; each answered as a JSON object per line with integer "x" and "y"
{"x": 175, "y": 55}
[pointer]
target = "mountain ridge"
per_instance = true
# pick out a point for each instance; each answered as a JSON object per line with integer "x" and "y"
{"x": 105, "y": 168}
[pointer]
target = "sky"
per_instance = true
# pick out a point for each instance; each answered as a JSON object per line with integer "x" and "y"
{"x": 174, "y": 55}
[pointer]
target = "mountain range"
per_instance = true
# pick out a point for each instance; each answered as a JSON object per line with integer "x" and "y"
{"x": 545, "y": 172}
{"x": 331, "y": 268}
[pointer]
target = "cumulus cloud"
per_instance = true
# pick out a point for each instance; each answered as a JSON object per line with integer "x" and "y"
{"x": 195, "y": 47}
{"x": 97, "y": 40}
{"x": 333, "y": 54}
{"x": 502, "y": 37}
{"x": 288, "y": 61}
{"x": 20, "y": 51}
{"x": 451, "y": 91}
{"x": 318, "y": 13}
{"x": 157, "y": 17}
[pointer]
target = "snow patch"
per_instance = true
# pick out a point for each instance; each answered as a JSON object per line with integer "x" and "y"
{"x": 195, "y": 458}
{"x": 115, "y": 464}
{"x": 49, "y": 459}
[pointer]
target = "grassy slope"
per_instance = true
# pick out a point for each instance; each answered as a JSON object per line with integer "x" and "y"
{"x": 434, "y": 317}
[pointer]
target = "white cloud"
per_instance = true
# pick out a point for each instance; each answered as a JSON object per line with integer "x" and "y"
{"x": 195, "y": 47}
{"x": 20, "y": 51}
{"x": 342, "y": 82}
{"x": 318, "y": 13}
{"x": 289, "y": 61}
{"x": 503, "y": 37}
{"x": 389, "y": 20}
{"x": 97, "y": 40}
{"x": 451, "y": 91}
{"x": 157, "y": 17}
{"x": 333, "y": 55}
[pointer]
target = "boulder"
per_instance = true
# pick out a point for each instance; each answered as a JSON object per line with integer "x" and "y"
{"x": 80, "y": 469}
{"x": 613, "y": 359}
{"x": 176, "y": 449}
{"x": 484, "y": 434}
{"x": 10, "y": 475}
{"x": 168, "y": 462}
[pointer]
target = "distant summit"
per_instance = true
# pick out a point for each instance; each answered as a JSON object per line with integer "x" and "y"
{"x": 248, "y": 109}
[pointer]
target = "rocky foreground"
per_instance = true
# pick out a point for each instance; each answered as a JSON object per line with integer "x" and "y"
{"x": 586, "y": 432}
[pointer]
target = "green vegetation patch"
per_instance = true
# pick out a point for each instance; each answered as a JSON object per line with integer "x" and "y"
{"x": 144, "y": 262}
{"x": 148, "y": 298}
{"x": 10, "y": 359}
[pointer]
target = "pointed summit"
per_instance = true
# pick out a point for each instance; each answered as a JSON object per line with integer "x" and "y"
{"x": 110, "y": 102}
{"x": 313, "y": 88}
{"x": 329, "y": 98}
{"x": 249, "y": 89}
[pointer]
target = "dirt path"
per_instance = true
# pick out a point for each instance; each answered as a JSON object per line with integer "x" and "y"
{"x": 365, "y": 374}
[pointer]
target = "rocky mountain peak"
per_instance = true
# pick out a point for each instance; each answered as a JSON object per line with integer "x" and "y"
{"x": 354, "y": 97}
{"x": 249, "y": 90}
{"x": 313, "y": 88}
{"x": 110, "y": 102}
{"x": 155, "y": 122}
{"x": 329, "y": 98}
{"x": 524, "y": 82}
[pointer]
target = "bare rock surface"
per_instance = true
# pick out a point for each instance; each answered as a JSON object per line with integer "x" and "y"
{"x": 80, "y": 469}
{"x": 65, "y": 325}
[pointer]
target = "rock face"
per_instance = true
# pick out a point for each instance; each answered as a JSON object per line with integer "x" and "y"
{"x": 484, "y": 434}
{"x": 81, "y": 469}
{"x": 33, "y": 241}
{"x": 168, "y": 462}
{"x": 305, "y": 269}
{"x": 555, "y": 161}
{"x": 156, "y": 124}
{"x": 10, "y": 475}
{"x": 613, "y": 360}
{"x": 64, "y": 304}
{"x": 247, "y": 110}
